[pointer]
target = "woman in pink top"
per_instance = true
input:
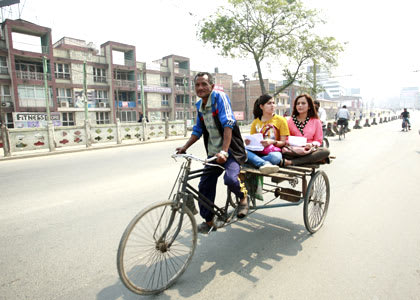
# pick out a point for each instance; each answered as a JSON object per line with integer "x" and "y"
{"x": 304, "y": 122}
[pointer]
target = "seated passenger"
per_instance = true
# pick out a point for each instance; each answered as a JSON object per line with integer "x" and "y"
{"x": 274, "y": 130}
{"x": 305, "y": 123}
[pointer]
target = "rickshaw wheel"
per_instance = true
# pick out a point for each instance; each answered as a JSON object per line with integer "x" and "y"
{"x": 316, "y": 201}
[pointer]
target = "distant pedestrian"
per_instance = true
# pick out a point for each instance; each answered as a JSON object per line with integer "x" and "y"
{"x": 141, "y": 118}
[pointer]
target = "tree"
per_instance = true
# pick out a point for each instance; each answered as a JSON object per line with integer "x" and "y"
{"x": 263, "y": 29}
{"x": 322, "y": 53}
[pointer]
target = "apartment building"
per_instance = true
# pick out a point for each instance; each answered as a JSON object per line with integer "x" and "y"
{"x": 243, "y": 101}
{"x": 168, "y": 86}
{"x": 114, "y": 81}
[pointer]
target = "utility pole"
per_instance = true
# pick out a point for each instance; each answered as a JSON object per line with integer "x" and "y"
{"x": 47, "y": 93}
{"x": 246, "y": 98}
{"x": 184, "y": 81}
{"x": 87, "y": 123}
{"x": 3, "y": 133}
{"x": 50, "y": 128}
{"x": 143, "y": 105}
{"x": 85, "y": 91}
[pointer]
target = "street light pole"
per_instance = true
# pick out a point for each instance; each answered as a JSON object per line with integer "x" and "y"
{"x": 143, "y": 105}
{"x": 85, "y": 98}
{"x": 184, "y": 81}
{"x": 50, "y": 128}
{"x": 246, "y": 98}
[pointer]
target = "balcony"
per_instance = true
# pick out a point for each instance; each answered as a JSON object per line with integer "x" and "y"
{"x": 127, "y": 104}
{"x": 31, "y": 75}
{"x": 125, "y": 83}
{"x": 99, "y": 79}
{"x": 181, "y": 105}
{"x": 182, "y": 71}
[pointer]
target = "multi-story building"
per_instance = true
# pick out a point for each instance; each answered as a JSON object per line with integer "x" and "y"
{"x": 223, "y": 82}
{"x": 410, "y": 97}
{"x": 112, "y": 76}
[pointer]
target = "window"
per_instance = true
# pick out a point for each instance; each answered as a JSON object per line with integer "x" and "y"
{"x": 3, "y": 65}
{"x": 99, "y": 75}
{"x": 127, "y": 116}
{"x": 33, "y": 96}
{"x": 180, "y": 99}
{"x": 120, "y": 75}
{"x": 64, "y": 95}
{"x": 9, "y": 120}
{"x": 62, "y": 71}
{"x": 180, "y": 115}
{"x": 68, "y": 119}
{"x": 165, "y": 115}
{"x": 5, "y": 96}
{"x": 139, "y": 78}
{"x": 165, "y": 100}
{"x": 102, "y": 117}
{"x": 164, "y": 81}
{"x": 101, "y": 96}
{"x": 125, "y": 96}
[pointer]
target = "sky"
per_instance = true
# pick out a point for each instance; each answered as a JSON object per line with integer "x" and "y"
{"x": 382, "y": 51}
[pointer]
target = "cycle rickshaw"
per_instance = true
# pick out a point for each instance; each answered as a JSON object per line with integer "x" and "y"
{"x": 159, "y": 242}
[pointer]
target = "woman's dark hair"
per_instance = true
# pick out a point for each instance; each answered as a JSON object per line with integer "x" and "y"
{"x": 263, "y": 99}
{"x": 311, "y": 110}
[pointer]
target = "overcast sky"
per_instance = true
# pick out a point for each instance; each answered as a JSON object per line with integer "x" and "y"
{"x": 383, "y": 43}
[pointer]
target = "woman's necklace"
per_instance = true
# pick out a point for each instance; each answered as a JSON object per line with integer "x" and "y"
{"x": 300, "y": 125}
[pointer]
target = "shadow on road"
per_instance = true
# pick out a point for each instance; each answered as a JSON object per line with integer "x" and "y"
{"x": 239, "y": 249}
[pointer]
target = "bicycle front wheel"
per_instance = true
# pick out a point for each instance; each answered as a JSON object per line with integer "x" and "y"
{"x": 147, "y": 263}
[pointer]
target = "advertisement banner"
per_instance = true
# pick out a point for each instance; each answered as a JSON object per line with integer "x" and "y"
{"x": 218, "y": 88}
{"x": 239, "y": 115}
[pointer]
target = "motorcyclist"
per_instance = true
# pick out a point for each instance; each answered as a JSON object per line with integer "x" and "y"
{"x": 405, "y": 115}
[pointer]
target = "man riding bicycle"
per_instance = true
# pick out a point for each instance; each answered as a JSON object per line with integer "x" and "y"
{"x": 343, "y": 117}
{"x": 222, "y": 138}
{"x": 405, "y": 115}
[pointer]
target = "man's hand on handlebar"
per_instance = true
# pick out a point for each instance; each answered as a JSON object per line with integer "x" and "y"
{"x": 181, "y": 150}
{"x": 221, "y": 159}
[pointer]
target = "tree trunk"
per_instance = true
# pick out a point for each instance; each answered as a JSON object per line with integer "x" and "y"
{"x": 262, "y": 86}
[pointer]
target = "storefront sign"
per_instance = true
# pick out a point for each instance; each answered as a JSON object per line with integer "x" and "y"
{"x": 155, "y": 89}
{"x": 30, "y": 120}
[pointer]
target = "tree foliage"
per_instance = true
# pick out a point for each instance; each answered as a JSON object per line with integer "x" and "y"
{"x": 268, "y": 29}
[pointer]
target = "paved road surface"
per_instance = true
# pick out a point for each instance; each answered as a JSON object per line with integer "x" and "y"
{"x": 62, "y": 217}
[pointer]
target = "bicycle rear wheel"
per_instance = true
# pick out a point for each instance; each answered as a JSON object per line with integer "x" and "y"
{"x": 148, "y": 265}
{"x": 316, "y": 201}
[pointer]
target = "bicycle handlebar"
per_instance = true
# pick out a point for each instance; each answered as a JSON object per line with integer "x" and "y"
{"x": 206, "y": 161}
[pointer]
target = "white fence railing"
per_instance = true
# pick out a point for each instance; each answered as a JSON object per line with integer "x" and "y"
{"x": 26, "y": 139}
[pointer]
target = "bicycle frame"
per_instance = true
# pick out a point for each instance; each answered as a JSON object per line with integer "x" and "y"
{"x": 185, "y": 192}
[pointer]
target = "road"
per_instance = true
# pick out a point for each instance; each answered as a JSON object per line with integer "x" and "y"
{"x": 62, "y": 217}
